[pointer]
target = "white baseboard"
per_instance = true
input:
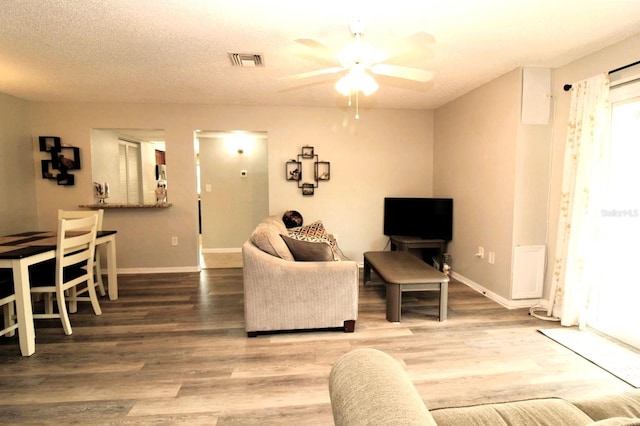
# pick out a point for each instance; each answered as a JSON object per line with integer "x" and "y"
{"x": 222, "y": 250}
{"x": 128, "y": 271}
{"x": 509, "y": 304}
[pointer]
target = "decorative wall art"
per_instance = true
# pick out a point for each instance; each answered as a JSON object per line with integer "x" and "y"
{"x": 294, "y": 170}
{"x": 61, "y": 160}
{"x": 49, "y": 143}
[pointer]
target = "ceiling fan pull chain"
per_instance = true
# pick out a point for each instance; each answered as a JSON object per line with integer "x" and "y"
{"x": 357, "y": 105}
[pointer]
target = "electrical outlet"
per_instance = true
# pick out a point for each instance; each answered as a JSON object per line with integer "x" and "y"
{"x": 480, "y": 252}
{"x": 174, "y": 241}
{"x": 492, "y": 257}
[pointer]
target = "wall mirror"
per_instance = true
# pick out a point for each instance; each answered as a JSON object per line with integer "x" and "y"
{"x": 131, "y": 161}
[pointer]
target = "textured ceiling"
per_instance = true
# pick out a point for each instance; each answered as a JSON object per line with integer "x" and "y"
{"x": 164, "y": 51}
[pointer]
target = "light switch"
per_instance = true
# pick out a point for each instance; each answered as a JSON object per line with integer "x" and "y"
{"x": 207, "y": 187}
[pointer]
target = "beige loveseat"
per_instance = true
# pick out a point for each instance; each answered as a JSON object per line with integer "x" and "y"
{"x": 368, "y": 387}
{"x": 281, "y": 293}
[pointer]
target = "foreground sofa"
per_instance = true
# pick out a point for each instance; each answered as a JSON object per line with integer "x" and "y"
{"x": 282, "y": 293}
{"x": 368, "y": 387}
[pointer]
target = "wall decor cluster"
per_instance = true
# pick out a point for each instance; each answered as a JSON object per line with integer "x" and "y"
{"x": 294, "y": 170}
{"x": 61, "y": 160}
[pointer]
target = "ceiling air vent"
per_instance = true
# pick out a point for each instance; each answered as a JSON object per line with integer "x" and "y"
{"x": 246, "y": 59}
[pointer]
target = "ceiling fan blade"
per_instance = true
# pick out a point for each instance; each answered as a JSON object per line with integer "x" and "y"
{"x": 316, "y": 45}
{"x": 420, "y": 38}
{"x": 403, "y": 72}
{"x": 416, "y": 45}
{"x": 313, "y": 73}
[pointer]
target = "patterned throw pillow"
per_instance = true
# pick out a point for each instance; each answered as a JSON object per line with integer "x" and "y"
{"x": 307, "y": 251}
{"x": 315, "y": 233}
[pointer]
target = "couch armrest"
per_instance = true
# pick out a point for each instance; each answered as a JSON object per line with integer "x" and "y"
{"x": 369, "y": 387}
{"x": 626, "y": 404}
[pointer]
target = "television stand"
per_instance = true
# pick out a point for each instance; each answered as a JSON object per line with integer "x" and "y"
{"x": 401, "y": 243}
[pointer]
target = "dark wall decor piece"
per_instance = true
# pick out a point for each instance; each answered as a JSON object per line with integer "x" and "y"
{"x": 307, "y": 152}
{"x": 47, "y": 173}
{"x": 65, "y": 180}
{"x": 49, "y": 143}
{"x": 322, "y": 170}
{"x": 294, "y": 170}
{"x": 308, "y": 189}
{"x": 67, "y": 158}
{"x": 61, "y": 160}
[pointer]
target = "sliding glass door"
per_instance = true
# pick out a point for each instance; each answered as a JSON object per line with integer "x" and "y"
{"x": 614, "y": 302}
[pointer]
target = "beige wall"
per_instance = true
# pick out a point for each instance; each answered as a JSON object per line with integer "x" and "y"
{"x": 474, "y": 156}
{"x": 17, "y": 167}
{"x": 385, "y": 153}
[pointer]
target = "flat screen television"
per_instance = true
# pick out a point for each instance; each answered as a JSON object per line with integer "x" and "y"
{"x": 427, "y": 218}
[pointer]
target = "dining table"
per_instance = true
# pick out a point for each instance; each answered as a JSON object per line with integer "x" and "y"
{"x": 19, "y": 251}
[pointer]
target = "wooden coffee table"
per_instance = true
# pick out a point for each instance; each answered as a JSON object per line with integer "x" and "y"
{"x": 401, "y": 271}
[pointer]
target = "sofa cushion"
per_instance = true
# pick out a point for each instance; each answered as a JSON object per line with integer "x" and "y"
{"x": 266, "y": 237}
{"x": 315, "y": 233}
{"x": 626, "y": 404}
{"x": 337, "y": 252}
{"x": 617, "y": 421}
{"x": 538, "y": 412}
{"x": 308, "y": 250}
{"x": 277, "y": 222}
{"x": 368, "y": 387}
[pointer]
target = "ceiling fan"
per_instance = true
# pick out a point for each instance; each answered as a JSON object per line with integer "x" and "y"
{"x": 359, "y": 60}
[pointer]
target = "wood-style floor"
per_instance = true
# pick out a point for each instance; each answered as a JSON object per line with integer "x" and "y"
{"x": 172, "y": 350}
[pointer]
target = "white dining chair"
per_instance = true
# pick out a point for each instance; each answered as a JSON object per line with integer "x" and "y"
{"x": 7, "y": 301}
{"x": 74, "y": 214}
{"x": 75, "y": 252}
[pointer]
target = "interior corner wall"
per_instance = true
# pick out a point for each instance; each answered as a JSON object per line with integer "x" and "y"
{"x": 475, "y": 153}
{"x": 17, "y": 168}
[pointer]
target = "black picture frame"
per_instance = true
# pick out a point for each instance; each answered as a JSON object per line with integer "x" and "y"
{"x": 307, "y": 152}
{"x": 293, "y": 171}
{"x": 49, "y": 143}
{"x": 308, "y": 189}
{"x": 47, "y": 170}
{"x": 322, "y": 171}
{"x": 66, "y": 179}
{"x": 66, "y": 158}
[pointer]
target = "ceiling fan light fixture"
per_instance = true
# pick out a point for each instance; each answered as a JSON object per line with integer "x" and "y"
{"x": 359, "y": 53}
{"x": 356, "y": 80}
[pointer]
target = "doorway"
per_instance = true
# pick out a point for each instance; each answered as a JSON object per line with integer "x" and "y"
{"x": 233, "y": 192}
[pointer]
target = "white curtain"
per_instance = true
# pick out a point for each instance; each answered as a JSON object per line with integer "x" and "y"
{"x": 576, "y": 264}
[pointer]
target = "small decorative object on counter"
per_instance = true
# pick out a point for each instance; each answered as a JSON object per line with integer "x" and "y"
{"x": 102, "y": 191}
{"x": 161, "y": 191}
